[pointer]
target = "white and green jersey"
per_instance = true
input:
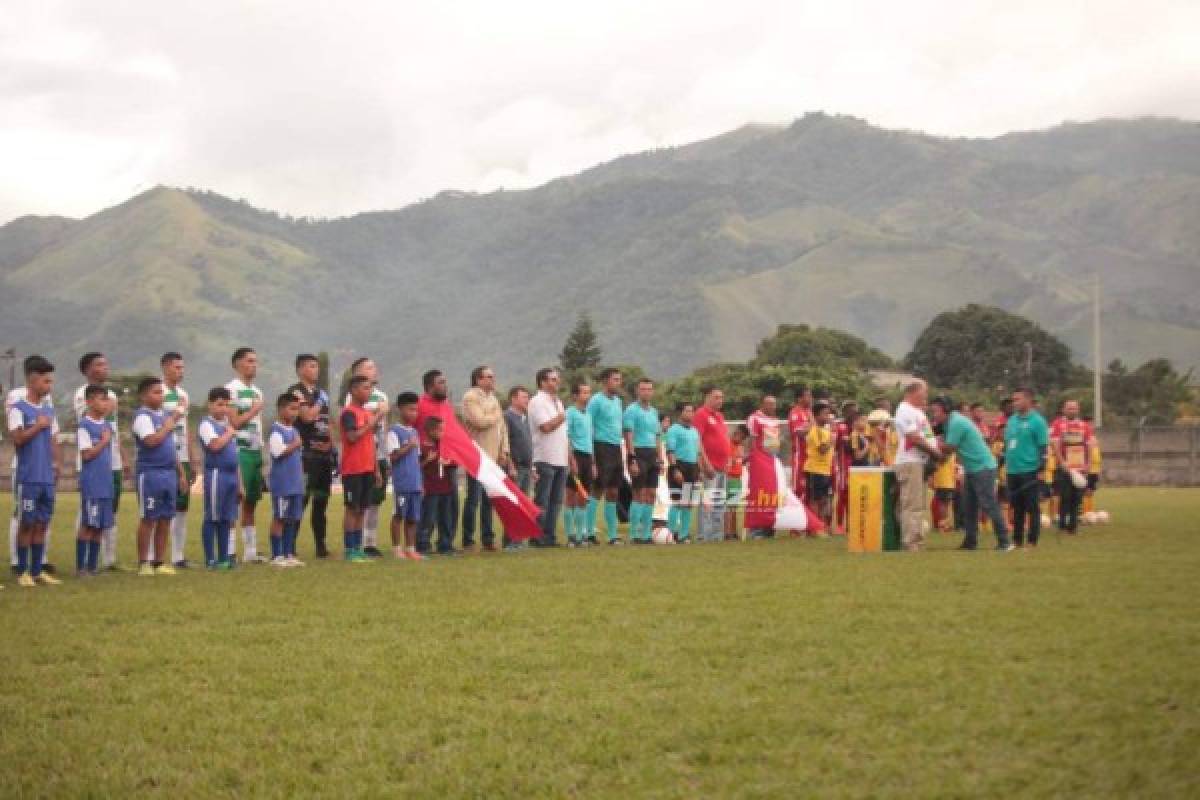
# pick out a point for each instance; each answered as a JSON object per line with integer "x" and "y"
{"x": 250, "y": 435}
{"x": 376, "y": 401}
{"x": 111, "y": 419}
{"x": 173, "y": 399}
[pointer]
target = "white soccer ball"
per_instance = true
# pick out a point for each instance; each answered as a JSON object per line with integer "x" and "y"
{"x": 1088, "y": 518}
{"x": 662, "y": 536}
{"x": 1045, "y": 520}
{"x": 1102, "y": 517}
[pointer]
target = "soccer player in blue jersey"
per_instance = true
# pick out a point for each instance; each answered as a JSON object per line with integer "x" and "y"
{"x": 604, "y": 410}
{"x": 286, "y": 482}
{"x": 223, "y": 491}
{"x": 94, "y": 441}
{"x": 641, "y": 427}
{"x": 159, "y": 475}
{"x": 687, "y": 462}
{"x": 581, "y": 511}
{"x": 34, "y": 430}
{"x": 404, "y": 452}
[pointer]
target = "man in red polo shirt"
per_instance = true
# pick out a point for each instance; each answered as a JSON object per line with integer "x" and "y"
{"x": 714, "y": 440}
{"x": 800, "y": 420}
{"x": 435, "y": 402}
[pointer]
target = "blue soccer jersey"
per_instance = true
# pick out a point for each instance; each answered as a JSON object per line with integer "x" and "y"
{"x": 220, "y": 473}
{"x": 605, "y": 413}
{"x": 147, "y": 422}
{"x": 287, "y": 473}
{"x": 95, "y": 476}
{"x": 579, "y": 430}
{"x": 643, "y": 424}
{"x": 406, "y": 470}
{"x": 35, "y": 458}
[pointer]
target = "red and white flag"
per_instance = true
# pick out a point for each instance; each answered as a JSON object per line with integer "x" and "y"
{"x": 516, "y": 511}
{"x": 771, "y": 504}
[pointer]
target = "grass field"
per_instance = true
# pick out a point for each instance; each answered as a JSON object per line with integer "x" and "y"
{"x": 781, "y": 669}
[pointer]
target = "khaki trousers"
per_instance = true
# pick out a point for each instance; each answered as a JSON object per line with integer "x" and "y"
{"x": 910, "y": 478}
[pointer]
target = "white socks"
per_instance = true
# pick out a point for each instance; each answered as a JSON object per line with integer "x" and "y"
{"x": 371, "y": 527}
{"x": 108, "y": 546}
{"x": 12, "y": 540}
{"x": 249, "y": 542}
{"x": 231, "y": 548}
{"x": 178, "y": 537}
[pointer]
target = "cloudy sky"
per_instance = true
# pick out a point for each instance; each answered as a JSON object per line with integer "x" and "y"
{"x": 321, "y": 108}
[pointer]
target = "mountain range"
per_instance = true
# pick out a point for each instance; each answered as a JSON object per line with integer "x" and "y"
{"x": 683, "y": 256}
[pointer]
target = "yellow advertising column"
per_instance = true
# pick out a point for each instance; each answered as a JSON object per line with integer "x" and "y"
{"x": 871, "y": 525}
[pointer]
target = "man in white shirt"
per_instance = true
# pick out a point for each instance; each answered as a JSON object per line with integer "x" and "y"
{"x": 547, "y": 420}
{"x": 176, "y": 397}
{"x": 245, "y": 415}
{"x": 916, "y": 447}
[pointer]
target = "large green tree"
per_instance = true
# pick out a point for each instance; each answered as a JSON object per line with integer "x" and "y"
{"x": 987, "y": 346}
{"x": 1152, "y": 393}
{"x": 802, "y": 346}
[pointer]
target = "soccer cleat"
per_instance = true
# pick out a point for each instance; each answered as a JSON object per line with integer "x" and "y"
{"x": 115, "y": 567}
{"x": 358, "y": 557}
{"x": 292, "y": 561}
{"x": 279, "y": 561}
{"x": 256, "y": 559}
{"x": 592, "y": 540}
{"x": 372, "y": 552}
{"x": 616, "y": 542}
{"x": 164, "y": 569}
{"x": 146, "y": 570}
{"x": 183, "y": 564}
{"x": 413, "y": 555}
{"x": 26, "y": 580}
{"x": 1006, "y": 548}
{"x": 49, "y": 568}
{"x": 46, "y": 579}
{"x": 225, "y": 566}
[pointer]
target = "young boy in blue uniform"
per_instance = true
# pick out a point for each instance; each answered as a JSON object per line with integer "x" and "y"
{"x": 286, "y": 482}
{"x": 160, "y": 477}
{"x": 94, "y": 441}
{"x": 404, "y": 451}
{"x": 222, "y": 479}
{"x": 34, "y": 430}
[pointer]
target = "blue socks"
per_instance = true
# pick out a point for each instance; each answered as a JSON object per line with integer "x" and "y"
{"x": 589, "y": 517}
{"x": 291, "y": 529}
{"x": 610, "y": 521}
{"x": 208, "y": 537}
{"x": 276, "y": 546}
{"x": 352, "y": 541}
{"x": 93, "y": 555}
{"x": 81, "y": 549}
{"x": 222, "y": 529}
{"x": 37, "y": 552}
{"x": 685, "y": 523}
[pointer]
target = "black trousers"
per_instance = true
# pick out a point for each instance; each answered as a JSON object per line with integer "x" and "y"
{"x": 318, "y": 485}
{"x": 1069, "y": 501}
{"x": 1024, "y": 496}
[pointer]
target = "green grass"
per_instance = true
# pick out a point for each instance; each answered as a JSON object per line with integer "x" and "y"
{"x": 782, "y": 669}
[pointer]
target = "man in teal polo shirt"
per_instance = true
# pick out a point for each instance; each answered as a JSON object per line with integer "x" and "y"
{"x": 604, "y": 410}
{"x": 642, "y": 428}
{"x": 1026, "y": 437}
{"x": 961, "y": 435}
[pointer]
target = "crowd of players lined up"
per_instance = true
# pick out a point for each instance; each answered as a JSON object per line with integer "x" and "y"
{"x": 605, "y": 445}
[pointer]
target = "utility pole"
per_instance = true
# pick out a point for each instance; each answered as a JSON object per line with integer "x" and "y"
{"x": 1097, "y": 361}
{"x": 11, "y": 355}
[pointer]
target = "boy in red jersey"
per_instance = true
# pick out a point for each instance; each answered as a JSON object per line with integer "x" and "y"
{"x": 360, "y": 471}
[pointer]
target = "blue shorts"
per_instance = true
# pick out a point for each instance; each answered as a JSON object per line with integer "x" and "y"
{"x": 287, "y": 507}
{"x": 408, "y": 506}
{"x": 35, "y": 502}
{"x": 220, "y": 495}
{"x": 158, "y": 490}
{"x": 96, "y": 512}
